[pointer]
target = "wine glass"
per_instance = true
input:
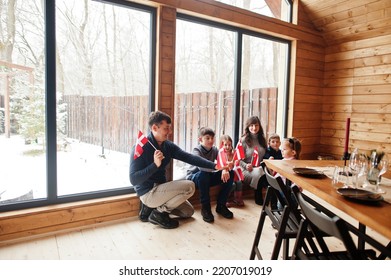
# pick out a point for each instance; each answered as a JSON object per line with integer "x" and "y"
{"x": 354, "y": 164}
{"x": 383, "y": 167}
{"x": 340, "y": 175}
{"x": 362, "y": 171}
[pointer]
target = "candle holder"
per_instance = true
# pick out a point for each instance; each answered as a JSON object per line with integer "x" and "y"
{"x": 346, "y": 156}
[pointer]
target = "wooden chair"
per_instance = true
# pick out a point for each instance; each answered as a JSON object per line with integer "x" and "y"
{"x": 285, "y": 220}
{"x": 318, "y": 224}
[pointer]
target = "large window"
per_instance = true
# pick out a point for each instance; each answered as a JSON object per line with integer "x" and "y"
{"x": 263, "y": 89}
{"x": 204, "y": 88}
{"x": 223, "y": 76}
{"x": 22, "y": 101}
{"x": 103, "y": 87}
{"x": 204, "y": 80}
{"x": 70, "y": 112}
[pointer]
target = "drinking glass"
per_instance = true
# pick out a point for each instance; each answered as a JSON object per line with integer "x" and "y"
{"x": 383, "y": 167}
{"x": 362, "y": 171}
{"x": 340, "y": 175}
{"x": 354, "y": 165}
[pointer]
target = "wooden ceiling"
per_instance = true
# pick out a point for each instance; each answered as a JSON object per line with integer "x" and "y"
{"x": 349, "y": 20}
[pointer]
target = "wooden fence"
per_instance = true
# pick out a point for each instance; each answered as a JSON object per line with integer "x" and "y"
{"x": 215, "y": 110}
{"x": 112, "y": 122}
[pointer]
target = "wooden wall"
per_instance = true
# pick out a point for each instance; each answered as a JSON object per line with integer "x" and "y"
{"x": 166, "y": 59}
{"x": 306, "y": 92}
{"x": 358, "y": 85}
{"x": 357, "y": 80}
{"x": 306, "y": 117}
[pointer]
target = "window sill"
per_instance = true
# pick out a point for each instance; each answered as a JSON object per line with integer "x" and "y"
{"x": 35, "y": 222}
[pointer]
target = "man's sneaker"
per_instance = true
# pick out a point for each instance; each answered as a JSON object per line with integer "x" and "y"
{"x": 144, "y": 213}
{"x": 207, "y": 215}
{"x": 162, "y": 219}
{"x": 223, "y": 211}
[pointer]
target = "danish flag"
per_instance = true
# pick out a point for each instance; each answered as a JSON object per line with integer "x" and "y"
{"x": 238, "y": 172}
{"x": 239, "y": 151}
{"x": 141, "y": 141}
{"x": 255, "y": 158}
{"x": 221, "y": 158}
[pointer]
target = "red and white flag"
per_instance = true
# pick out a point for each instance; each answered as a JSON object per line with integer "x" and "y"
{"x": 141, "y": 141}
{"x": 221, "y": 158}
{"x": 238, "y": 172}
{"x": 255, "y": 158}
{"x": 239, "y": 151}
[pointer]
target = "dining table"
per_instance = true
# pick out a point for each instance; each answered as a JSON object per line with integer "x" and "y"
{"x": 374, "y": 215}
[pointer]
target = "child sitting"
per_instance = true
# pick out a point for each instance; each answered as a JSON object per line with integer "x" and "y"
{"x": 226, "y": 143}
{"x": 205, "y": 178}
{"x": 291, "y": 148}
{"x": 273, "y": 150}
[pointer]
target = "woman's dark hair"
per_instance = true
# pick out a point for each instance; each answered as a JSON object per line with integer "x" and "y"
{"x": 247, "y": 133}
{"x": 157, "y": 117}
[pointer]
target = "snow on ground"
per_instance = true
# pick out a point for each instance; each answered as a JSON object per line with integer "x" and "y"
{"x": 80, "y": 168}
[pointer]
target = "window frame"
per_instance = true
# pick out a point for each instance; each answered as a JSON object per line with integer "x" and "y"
{"x": 50, "y": 109}
{"x": 240, "y": 32}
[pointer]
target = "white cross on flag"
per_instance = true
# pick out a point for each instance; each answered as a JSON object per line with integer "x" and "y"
{"x": 238, "y": 172}
{"x": 221, "y": 158}
{"x": 141, "y": 141}
{"x": 255, "y": 157}
{"x": 239, "y": 151}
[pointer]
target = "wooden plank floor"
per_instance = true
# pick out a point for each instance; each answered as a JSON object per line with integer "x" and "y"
{"x": 132, "y": 239}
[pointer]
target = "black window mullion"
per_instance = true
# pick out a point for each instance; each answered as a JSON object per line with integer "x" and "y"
{"x": 237, "y": 85}
{"x": 152, "y": 74}
{"x": 50, "y": 92}
{"x": 287, "y": 84}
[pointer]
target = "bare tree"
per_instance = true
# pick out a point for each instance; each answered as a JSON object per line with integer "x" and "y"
{"x": 111, "y": 51}
{"x": 82, "y": 43}
{"x": 7, "y": 29}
